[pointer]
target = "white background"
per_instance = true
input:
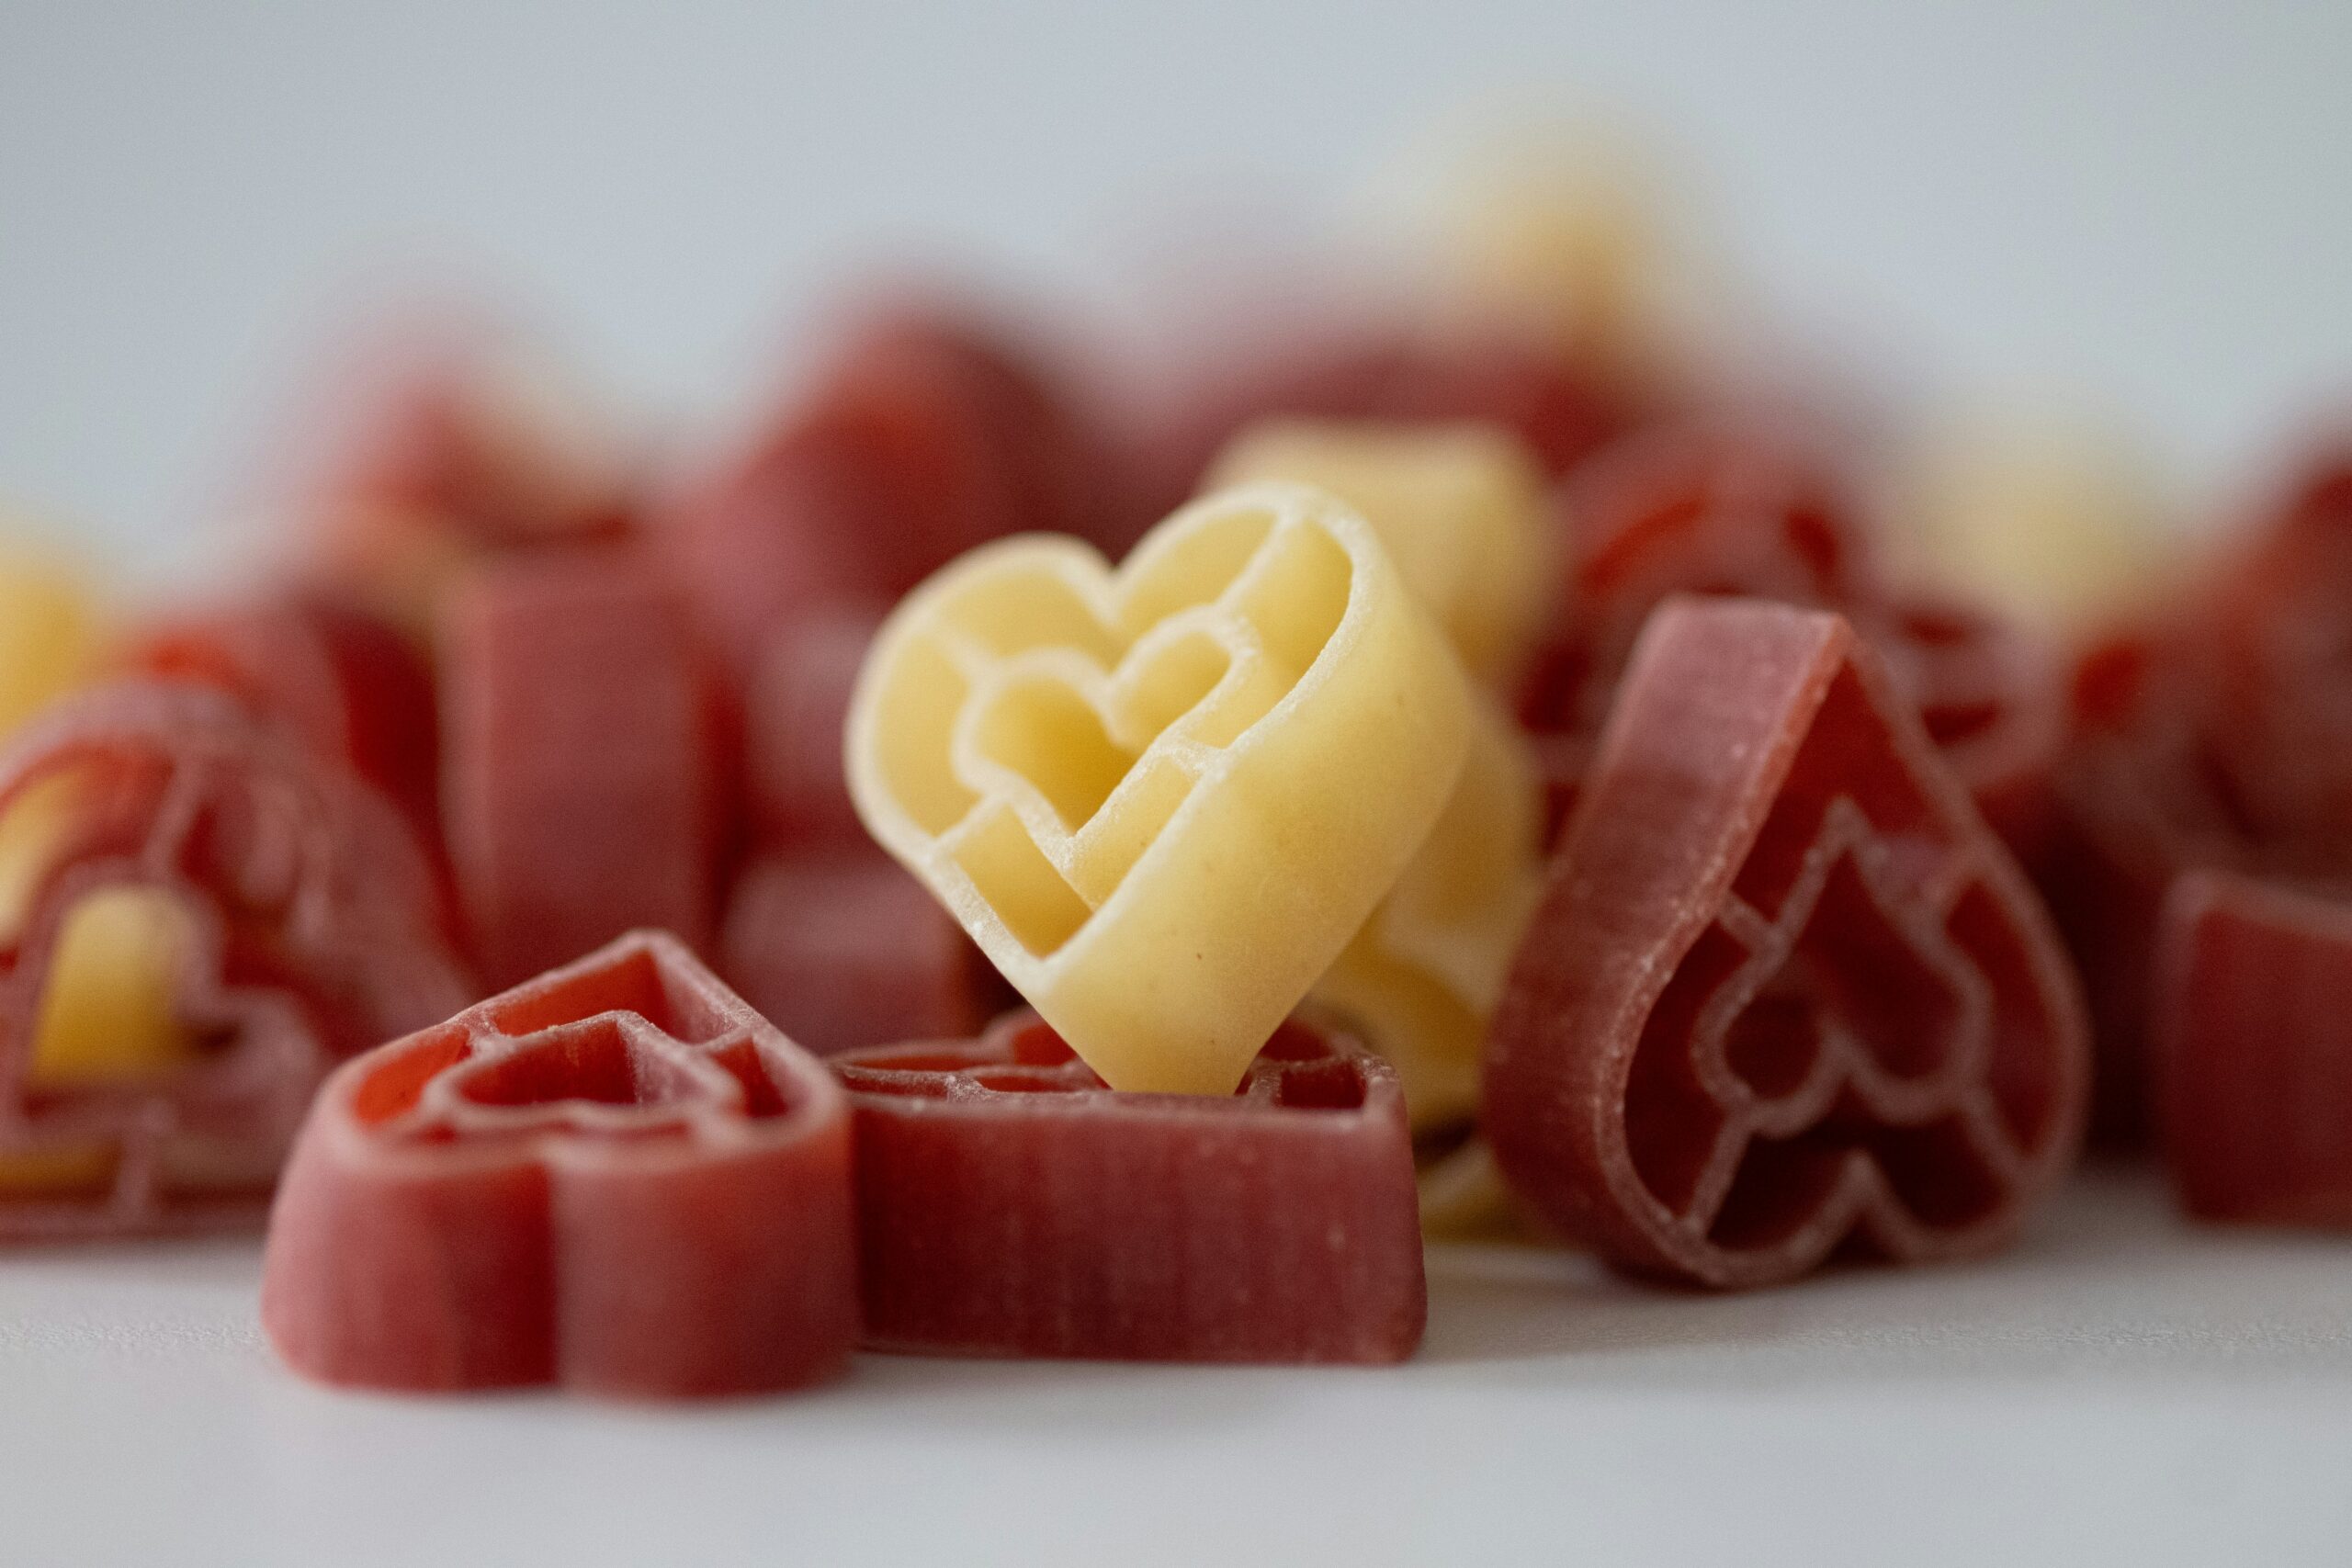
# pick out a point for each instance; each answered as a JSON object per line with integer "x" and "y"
{"x": 2146, "y": 211}
{"x": 2142, "y": 209}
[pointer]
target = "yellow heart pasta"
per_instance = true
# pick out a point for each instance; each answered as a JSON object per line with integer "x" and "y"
{"x": 1163, "y": 798}
{"x": 48, "y": 628}
{"x": 1423, "y": 975}
{"x": 1459, "y": 506}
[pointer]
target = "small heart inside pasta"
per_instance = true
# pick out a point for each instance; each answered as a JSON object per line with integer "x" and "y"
{"x": 1787, "y": 997}
{"x": 106, "y": 1010}
{"x": 1046, "y": 732}
{"x": 616, "y": 1176}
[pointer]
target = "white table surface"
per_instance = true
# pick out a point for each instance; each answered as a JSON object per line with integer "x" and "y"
{"x": 2122, "y": 1389}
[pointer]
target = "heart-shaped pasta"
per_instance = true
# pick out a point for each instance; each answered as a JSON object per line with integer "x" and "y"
{"x": 205, "y": 916}
{"x": 1787, "y": 995}
{"x": 1420, "y": 980}
{"x": 615, "y": 1177}
{"x": 1163, "y": 798}
{"x": 1460, "y": 507}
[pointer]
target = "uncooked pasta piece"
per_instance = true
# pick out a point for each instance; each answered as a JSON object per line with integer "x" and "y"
{"x": 583, "y": 790}
{"x": 617, "y": 1178}
{"x": 213, "y": 917}
{"x": 1164, "y": 799}
{"x": 2252, "y": 1049}
{"x": 1008, "y": 1204}
{"x": 1787, "y": 994}
{"x": 1459, "y": 506}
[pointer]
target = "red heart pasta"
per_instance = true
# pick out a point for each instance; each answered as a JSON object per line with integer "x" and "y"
{"x": 822, "y": 932}
{"x": 444, "y": 441}
{"x": 312, "y": 932}
{"x": 795, "y": 709}
{"x": 1991, "y": 700}
{"x": 1786, "y": 994}
{"x": 1010, "y": 1205}
{"x": 1562, "y": 407}
{"x": 1752, "y": 509}
{"x": 2254, "y": 1050}
{"x": 1707, "y": 508}
{"x": 925, "y": 435}
{"x": 850, "y": 950}
{"x": 349, "y": 684}
{"x": 2218, "y": 741}
{"x": 618, "y": 1178}
{"x": 583, "y": 795}
{"x": 2263, "y": 663}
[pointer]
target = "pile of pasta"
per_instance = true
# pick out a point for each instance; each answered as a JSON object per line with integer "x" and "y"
{"x": 1026, "y": 848}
